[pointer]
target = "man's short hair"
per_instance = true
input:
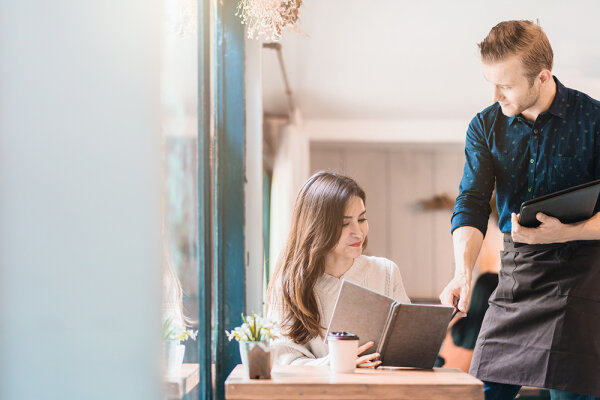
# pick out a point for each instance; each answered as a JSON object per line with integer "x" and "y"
{"x": 524, "y": 39}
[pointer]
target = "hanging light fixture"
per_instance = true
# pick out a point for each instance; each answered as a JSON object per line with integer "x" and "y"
{"x": 268, "y": 18}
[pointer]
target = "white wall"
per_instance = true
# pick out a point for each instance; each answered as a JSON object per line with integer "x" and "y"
{"x": 253, "y": 193}
{"x": 80, "y": 199}
{"x": 387, "y": 131}
{"x": 393, "y": 59}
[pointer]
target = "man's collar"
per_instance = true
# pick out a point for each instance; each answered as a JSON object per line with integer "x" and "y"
{"x": 558, "y": 106}
{"x": 513, "y": 119}
{"x": 517, "y": 118}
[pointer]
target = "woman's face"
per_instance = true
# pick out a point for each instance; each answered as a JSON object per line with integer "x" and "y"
{"x": 354, "y": 230}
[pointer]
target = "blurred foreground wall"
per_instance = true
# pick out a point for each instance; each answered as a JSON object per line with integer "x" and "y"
{"x": 80, "y": 199}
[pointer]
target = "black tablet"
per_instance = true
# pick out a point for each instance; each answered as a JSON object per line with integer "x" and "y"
{"x": 569, "y": 205}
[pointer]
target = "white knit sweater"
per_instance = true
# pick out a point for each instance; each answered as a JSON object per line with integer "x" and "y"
{"x": 375, "y": 273}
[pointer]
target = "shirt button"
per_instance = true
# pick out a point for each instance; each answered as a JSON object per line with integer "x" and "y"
{"x": 535, "y": 131}
{"x": 529, "y": 190}
{"x": 531, "y": 160}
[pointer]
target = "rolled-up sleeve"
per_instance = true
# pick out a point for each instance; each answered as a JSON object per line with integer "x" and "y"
{"x": 472, "y": 206}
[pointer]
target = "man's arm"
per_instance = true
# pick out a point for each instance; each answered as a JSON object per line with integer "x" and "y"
{"x": 467, "y": 244}
{"x": 471, "y": 212}
{"x": 586, "y": 230}
{"x": 551, "y": 230}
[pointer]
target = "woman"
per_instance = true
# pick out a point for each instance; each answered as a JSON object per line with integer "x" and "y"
{"x": 327, "y": 237}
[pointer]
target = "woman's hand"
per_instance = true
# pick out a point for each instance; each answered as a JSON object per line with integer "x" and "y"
{"x": 369, "y": 360}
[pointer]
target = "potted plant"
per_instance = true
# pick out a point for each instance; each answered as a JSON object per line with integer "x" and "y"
{"x": 173, "y": 333}
{"x": 254, "y": 337}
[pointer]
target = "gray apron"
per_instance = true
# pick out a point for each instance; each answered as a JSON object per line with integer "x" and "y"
{"x": 542, "y": 327}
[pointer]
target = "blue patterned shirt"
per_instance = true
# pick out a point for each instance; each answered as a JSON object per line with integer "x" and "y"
{"x": 525, "y": 159}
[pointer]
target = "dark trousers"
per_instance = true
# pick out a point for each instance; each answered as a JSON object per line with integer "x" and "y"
{"x": 500, "y": 391}
{"x": 560, "y": 395}
{"x": 504, "y": 391}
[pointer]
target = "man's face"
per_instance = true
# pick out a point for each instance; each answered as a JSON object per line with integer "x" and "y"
{"x": 511, "y": 87}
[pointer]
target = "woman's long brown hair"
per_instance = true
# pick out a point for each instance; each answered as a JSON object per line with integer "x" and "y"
{"x": 316, "y": 229}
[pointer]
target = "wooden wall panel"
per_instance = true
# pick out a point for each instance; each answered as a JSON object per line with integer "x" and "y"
{"x": 369, "y": 168}
{"x": 446, "y": 181}
{"x": 331, "y": 159}
{"x": 410, "y": 230}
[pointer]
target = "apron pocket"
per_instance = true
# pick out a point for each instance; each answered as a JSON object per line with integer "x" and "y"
{"x": 506, "y": 279}
{"x": 580, "y": 271}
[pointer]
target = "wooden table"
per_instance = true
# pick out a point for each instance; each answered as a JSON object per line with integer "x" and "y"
{"x": 311, "y": 382}
{"x": 177, "y": 386}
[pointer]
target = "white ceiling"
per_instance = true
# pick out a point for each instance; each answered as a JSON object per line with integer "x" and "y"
{"x": 399, "y": 59}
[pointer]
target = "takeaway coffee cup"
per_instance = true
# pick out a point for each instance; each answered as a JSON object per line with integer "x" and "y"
{"x": 342, "y": 352}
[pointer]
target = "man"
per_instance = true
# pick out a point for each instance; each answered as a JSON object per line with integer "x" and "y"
{"x": 542, "y": 327}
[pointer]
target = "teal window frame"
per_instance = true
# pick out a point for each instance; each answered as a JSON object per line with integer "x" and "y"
{"x": 204, "y": 341}
{"x": 220, "y": 191}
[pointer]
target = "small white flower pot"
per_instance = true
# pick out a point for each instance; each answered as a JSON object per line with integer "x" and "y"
{"x": 174, "y": 353}
{"x": 257, "y": 359}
